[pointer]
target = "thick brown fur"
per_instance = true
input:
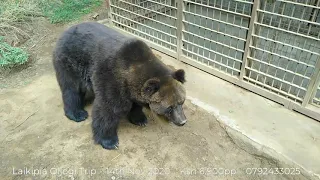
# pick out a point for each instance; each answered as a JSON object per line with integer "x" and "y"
{"x": 122, "y": 73}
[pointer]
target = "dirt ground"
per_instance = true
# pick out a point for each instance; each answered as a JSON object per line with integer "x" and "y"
{"x": 39, "y": 142}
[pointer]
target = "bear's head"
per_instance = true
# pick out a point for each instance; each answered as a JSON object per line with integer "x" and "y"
{"x": 166, "y": 95}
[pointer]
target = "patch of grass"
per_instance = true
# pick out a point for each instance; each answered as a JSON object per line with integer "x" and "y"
{"x": 17, "y": 17}
{"x": 14, "y": 14}
{"x": 61, "y": 11}
{"x": 11, "y": 56}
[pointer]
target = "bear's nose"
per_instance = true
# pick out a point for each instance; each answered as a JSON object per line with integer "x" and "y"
{"x": 182, "y": 123}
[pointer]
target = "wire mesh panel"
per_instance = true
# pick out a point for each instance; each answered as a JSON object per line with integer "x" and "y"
{"x": 316, "y": 99}
{"x": 154, "y": 20}
{"x": 215, "y": 32}
{"x": 273, "y": 45}
{"x": 286, "y": 47}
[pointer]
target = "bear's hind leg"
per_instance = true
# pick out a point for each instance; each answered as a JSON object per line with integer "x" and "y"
{"x": 106, "y": 114}
{"x": 73, "y": 100}
{"x": 89, "y": 95}
{"x": 104, "y": 126}
{"x": 136, "y": 115}
{"x": 73, "y": 93}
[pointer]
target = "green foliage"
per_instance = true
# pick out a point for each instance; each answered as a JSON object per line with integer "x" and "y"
{"x": 15, "y": 14}
{"x": 61, "y": 11}
{"x": 11, "y": 56}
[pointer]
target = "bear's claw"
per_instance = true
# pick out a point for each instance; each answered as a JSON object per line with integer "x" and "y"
{"x": 139, "y": 121}
{"x": 110, "y": 144}
{"x": 143, "y": 124}
{"x": 77, "y": 116}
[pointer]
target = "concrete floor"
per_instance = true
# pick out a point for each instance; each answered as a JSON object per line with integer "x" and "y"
{"x": 226, "y": 132}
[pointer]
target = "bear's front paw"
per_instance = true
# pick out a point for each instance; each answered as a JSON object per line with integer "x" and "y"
{"x": 139, "y": 121}
{"x": 77, "y": 116}
{"x": 110, "y": 143}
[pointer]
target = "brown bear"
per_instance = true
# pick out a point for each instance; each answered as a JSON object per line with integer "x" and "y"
{"x": 123, "y": 75}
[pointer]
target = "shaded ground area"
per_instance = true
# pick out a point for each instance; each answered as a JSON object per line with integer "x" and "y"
{"x": 38, "y": 142}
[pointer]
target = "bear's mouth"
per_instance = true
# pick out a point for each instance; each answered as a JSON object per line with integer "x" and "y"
{"x": 171, "y": 120}
{"x": 175, "y": 122}
{"x": 180, "y": 123}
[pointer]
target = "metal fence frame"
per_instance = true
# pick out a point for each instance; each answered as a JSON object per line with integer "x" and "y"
{"x": 307, "y": 104}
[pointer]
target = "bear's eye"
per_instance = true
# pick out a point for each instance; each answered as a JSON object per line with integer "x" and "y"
{"x": 169, "y": 110}
{"x": 181, "y": 102}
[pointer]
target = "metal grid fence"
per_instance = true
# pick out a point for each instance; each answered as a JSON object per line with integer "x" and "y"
{"x": 316, "y": 99}
{"x": 271, "y": 47}
{"x": 285, "y": 50}
{"x": 152, "y": 20}
{"x": 215, "y": 33}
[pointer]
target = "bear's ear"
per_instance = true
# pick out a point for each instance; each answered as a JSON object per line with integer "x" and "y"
{"x": 179, "y": 75}
{"x": 151, "y": 86}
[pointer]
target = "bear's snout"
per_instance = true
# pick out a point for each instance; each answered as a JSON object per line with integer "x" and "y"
{"x": 179, "y": 118}
{"x": 180, "y": 123}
